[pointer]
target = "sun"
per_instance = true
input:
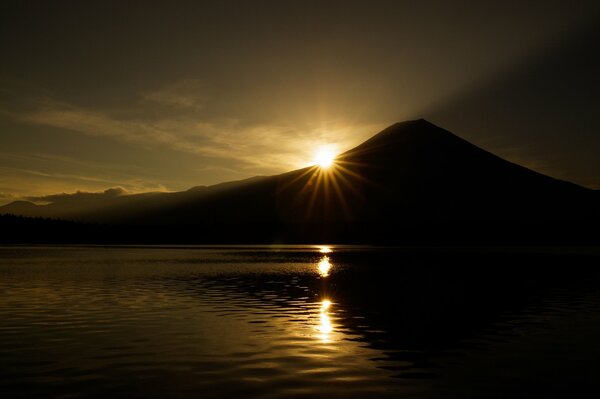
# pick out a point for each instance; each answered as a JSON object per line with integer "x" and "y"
{"x": 324, "y": 158}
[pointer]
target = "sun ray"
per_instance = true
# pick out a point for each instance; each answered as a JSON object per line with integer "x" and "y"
{"x": 340, "y": 195}
{"x": 345, "y": 180}
{"x": 318, "y": 190}
{"x": 309, "y": 171}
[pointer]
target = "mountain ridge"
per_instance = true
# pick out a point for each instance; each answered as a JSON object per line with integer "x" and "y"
{"x": 410, "y": 173}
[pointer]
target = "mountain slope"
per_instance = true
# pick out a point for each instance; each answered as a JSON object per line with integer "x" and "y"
{"x": 410, "y": 174}
{"x": 439, "y": 176}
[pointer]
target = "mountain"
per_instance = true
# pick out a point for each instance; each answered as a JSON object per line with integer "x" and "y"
{"x": 411, "y": 179}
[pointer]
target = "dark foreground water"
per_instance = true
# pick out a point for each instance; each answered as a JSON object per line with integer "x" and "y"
{"x": 289, "y": 322}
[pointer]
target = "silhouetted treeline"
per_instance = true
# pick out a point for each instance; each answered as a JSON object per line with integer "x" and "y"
{"x": 22, "y": 230}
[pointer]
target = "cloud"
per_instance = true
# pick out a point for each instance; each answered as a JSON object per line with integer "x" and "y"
{"x": 182, "y": 94}
{"x": 251, "y": 147}
{"x": 25, "y": 183}
{"x": 98, "y": 124}
{"x": 129, "y": 182}
{"x": 80, "y": 196}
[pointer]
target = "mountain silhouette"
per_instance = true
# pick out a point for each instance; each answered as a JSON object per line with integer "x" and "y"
{"x": 411, "y": 178}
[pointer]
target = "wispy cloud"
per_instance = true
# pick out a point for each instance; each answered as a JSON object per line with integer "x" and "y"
{"x": 182, "y": 94}
{"x": 98, "y": 124}
{"x": 52, "y": 159}
{"x": 21, "y": 183}
{"x": 264, "y": 148}
{"x": 110, "y": 193}
{"x": 7, "y": 196}
{"x": 227, "y": 146}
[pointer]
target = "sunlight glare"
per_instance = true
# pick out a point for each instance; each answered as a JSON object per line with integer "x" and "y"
{"x": 324, "y": 266}
{"x": 324, "y": 249}
{"x": 325, "y": 326}
{"x": 324, "y": 158}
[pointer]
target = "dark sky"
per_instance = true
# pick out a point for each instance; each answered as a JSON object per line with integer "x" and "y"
{"x": 149, "y": 95}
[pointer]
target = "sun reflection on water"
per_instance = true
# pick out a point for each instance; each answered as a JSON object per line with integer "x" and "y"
{"x": 325, "y": 326}
{"x": 324, "y": 249}
{"x": 324, "y": 266}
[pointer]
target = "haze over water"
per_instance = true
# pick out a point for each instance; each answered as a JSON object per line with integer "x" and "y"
{"x": 299, "y": 321}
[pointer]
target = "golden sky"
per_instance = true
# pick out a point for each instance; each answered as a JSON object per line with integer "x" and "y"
{"x": 168, "y": 95}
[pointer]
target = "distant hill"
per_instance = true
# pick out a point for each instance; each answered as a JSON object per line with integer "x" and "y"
{"x": 412, "y": 179}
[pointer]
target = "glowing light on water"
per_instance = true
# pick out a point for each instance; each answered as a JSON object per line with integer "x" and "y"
{"x": 325, "y": 326}
{"x": 324, "y": 266}
{"x": 324, "y": 249}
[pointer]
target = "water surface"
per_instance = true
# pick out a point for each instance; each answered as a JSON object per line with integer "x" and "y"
{"x": 303, "y": 321}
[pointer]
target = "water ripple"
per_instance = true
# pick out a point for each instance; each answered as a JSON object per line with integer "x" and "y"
{"x": 290, "y": 322}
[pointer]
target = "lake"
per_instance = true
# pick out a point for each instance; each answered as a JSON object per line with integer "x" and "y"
{"x": 298, "y": 322}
